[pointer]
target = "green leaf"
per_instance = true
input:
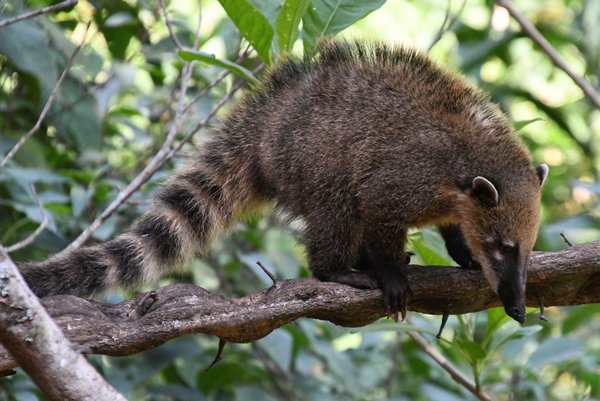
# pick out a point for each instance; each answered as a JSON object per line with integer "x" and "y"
{"x": 26, "y": 48}
{"x": 120, "y": 19}
{"x": 519, "y": 125}
{"x": 510, "y": 331}
{"x": 279, "y": 345}
{"x": 430, "y": 247}
{"x": 80, "y": 122}
{"x": 288, "y": 19}
{"x": 253, "y": 25}
{"x": 25, "y": 176}
{"x": 190, "y": 55}
{"x": 474, "y": 351}
{"x": 328, "y": 17}
{"x": 268, "y": 8}
{"x": 80, "y": 197}
{"x": 119, "y": 25}
{"x": 554, "y": 351}
{"x": 496, "y": 317}
{"x": 222, "y": 375}
{"x": 580, "y": 316}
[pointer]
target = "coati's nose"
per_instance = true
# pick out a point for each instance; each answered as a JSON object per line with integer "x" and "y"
{"x": 516, "y": 313}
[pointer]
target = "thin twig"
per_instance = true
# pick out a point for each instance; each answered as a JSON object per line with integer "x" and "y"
{"x": 279, "y": 378}
{"x": 542, "y": 315}
{"x": 456, "y": 375}
{"x": 164, "y": 154}
{"x": 394, "y": 359}
{"x": 217, "y": 358}
{"x": 198, "y": 25}
{"x": 217, "y": 80}
{"x": 206, "y": 119}
{"x": 564, "y": 236}
{"x": 267, "y": 272}
{"x": 143, "y": 176}
{"x": 205, "y": 90}
{"x": 169, "y": 27}
{"x": 203, "y": 123}
{"x": 11, "y": 153}
{"x": 447, "y": 24}
{"x": 45, "y": 221}
{"x": 444, "y": 321}
{"x": 535, "y": 35}
{"x": 161, "y": 157}
{"x": 35, "y": 13}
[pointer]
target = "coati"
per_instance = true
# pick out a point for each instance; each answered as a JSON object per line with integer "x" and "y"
{"x": 362, "y": 141}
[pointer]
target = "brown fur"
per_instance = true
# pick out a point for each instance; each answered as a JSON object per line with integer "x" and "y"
{"x": 362, "y": 142}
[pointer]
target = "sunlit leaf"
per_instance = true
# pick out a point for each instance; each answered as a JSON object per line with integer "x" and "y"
{"x": 237, "y": 69}
{"x": 288, "y": 19}
{"x": 253, "y": 25}
{"x": 519, "y": 125}
{"x": 328, "y": 17}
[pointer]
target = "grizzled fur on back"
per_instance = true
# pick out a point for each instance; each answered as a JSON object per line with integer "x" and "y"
{"x": 362, "y": 141}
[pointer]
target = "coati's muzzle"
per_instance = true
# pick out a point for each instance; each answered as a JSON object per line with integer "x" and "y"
{"x": 512, "y": 278}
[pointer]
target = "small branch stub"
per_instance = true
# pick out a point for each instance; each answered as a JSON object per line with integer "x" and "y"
{"x": 267, "y": 272}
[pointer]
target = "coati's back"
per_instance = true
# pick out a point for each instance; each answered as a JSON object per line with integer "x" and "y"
{"x": 363, "y": 141}
{"x": 327, "y": 124}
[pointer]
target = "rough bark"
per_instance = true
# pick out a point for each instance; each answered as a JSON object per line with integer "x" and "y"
{"x": 568, "y": 277}
{"x": 39, "y": 347}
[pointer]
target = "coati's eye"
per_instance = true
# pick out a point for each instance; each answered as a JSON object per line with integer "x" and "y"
{"x": 509, "y": 248}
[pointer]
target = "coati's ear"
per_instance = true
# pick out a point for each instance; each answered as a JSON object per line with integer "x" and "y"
{"x": 542, "y": 172}
{"x": 484, "y": 191}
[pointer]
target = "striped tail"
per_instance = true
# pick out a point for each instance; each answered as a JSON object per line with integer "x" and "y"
{"x": 202, "y": 199}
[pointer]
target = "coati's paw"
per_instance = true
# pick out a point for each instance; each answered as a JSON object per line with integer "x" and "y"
{"x": 396, "y": 291}
{"x": 354, "y": 279}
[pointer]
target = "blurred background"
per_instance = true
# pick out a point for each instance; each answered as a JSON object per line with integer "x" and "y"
{"x": 118, "y": 101}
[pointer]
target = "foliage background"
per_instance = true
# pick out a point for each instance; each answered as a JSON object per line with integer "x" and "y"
{"x": 116, "y": 105}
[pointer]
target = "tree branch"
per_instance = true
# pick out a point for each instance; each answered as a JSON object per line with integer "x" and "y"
{"x": 535, "y": 35}
{"x": 447, "y": 24}
{"x": 169, "y": 26}
{"x": 568, "y": 277}
{"x": 35, "y": 13}
{"x": 40, "y": 348}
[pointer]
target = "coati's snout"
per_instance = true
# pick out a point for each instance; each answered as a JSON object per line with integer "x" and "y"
{"x": 510, "y": 279}
{"x": 511, "y": 291}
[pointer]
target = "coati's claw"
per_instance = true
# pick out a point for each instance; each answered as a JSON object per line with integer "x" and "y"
{"x": 395, "y": 289}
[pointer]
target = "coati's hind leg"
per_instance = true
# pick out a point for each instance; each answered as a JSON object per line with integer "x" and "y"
{"x": 457, "y": 247}
{"x": 329, "y": 242}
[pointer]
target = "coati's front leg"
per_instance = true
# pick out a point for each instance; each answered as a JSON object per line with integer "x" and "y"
{"x": 384, "y": 247}
{"x": 330, "y": 242}
{"x": 457, "y": 247}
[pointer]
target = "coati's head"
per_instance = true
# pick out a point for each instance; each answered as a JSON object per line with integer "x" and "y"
{"x": 500, "y": 225}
